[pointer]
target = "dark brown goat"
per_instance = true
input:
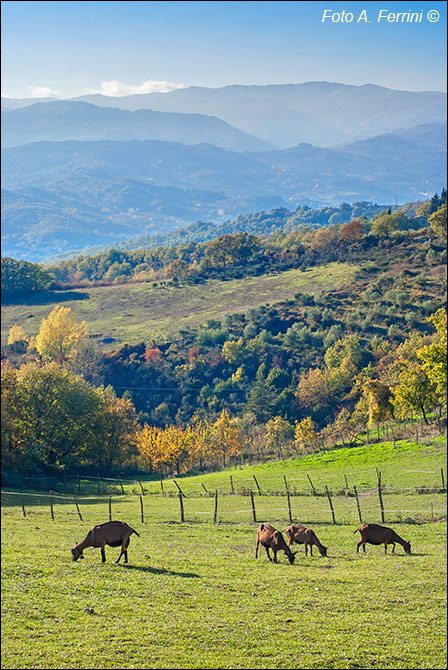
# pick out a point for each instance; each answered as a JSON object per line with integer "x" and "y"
{"x": 371, "y": 533}
{"x": 306, "y": 536}
{"x": 112, "y": 533}
{"x": 271, "y": 538}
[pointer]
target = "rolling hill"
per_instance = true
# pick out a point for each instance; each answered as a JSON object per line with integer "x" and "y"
{"x": 68, "y": 120}
{"x": 61, "y": 196}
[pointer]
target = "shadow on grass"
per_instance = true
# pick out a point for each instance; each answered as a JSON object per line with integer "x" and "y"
{"x": 157, "y": 571}
{"x": 44, "y": 298}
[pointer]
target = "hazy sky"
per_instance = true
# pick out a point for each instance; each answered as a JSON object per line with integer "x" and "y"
{"x": 69, "y": 48}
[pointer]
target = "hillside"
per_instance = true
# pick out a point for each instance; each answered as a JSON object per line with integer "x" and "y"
{"x": 55, "y": 190}
{"x": 135, "y": 312}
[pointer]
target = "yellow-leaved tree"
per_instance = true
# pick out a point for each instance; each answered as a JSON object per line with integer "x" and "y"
{"x": 227, "y": 437}
{"x": 60, "y": 335}
{"x": 16, "y": 334}
{"x": 305, "y": 435}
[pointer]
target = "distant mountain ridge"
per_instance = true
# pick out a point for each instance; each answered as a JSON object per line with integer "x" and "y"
{"x": 62, "y": 196}
{"x": 325, "y": 114}
{"x": 69, "y": 120}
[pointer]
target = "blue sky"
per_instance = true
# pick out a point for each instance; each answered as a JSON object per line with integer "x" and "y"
{"x": 71, "y": 47}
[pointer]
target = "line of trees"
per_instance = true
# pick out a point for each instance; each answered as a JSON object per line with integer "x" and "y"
{"x": 54, "y": 419}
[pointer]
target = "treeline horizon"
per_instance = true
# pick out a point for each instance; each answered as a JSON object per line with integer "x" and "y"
{"x": 289, "y": 243}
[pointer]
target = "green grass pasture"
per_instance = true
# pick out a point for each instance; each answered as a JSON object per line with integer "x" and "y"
{"x": 194, "y": 596}
{"x": 140, "y": 311}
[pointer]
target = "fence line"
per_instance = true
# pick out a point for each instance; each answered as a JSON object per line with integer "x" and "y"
{"x": 344, "y": 508}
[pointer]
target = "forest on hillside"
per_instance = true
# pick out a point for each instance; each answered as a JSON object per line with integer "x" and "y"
{"x": 280, "y": 379}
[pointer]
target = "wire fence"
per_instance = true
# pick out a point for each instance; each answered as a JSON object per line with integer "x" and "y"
{"x": 251, "y": 507}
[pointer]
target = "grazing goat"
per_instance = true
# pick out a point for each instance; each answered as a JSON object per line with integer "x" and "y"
{"x": 113, "y": 533}
{"x": 271, "y": 538}
{"x": 306, "y": 536}
{"x": 374, "y": 534}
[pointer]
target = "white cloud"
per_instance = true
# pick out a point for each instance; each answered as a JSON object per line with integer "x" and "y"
{"x": 43, "y": 92}
{"x": 115, "y": 88}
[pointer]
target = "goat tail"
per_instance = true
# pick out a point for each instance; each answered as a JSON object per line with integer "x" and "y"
{"x": 134, "y": 531}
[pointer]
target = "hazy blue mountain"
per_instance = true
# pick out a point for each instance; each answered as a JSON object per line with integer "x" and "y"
{"x": 320, "y": 113}
{"x": 67, "y": 195}
{"x": 66, "y": 120}
{"x": 17, "y": 103}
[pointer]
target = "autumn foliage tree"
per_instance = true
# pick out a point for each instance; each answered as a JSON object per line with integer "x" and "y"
{"x": 60, "y": 334}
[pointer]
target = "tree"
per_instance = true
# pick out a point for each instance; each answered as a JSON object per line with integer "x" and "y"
{"x": 60, "y": 334}
{"x": 385, "y": 223}
{"x": 22, "y": 277}
{"x": 51, "y": 415}
{"x": 17, "y": 340}
{"x": 378, "y": 396}
{"x": 149, "y": 443}
{"x": 305, "y": 434}
{"x": 278, "y": 433}
{"x": 414, "y": 390}
{"x": 438, "y": 222}
{"x": 227, "y": 437}
{"x": 352, "y": 231}
{"x": 434, "y": 356}
{"x": 114, "y": 430}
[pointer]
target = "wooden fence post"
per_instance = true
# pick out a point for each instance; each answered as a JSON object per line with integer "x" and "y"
{"x": 231, "y": 485}
{"x": 143, "y": 490}
{"x": 161, "y": 484}
{"x": 380, "y": 497}
{"x": 23, "y": 506}
{"x": 312, "y": 485}
{"x": 181, "y": 502}
{"x": 254, "y": 516}
{"x": 141, "y": 509}
{"x": 289, "y": 507}
{"x": 347, "y": 490}
{"x": 215, "y": 515}
{"x": 443, "y": 478}
{"x": 51, "y": 505}
{"x": 357, "y": 504}
{"x": 110, "y": 508}
{"x": 178, "y": 488}
{"x": 288, "y": 498}
{"x": 331, "y": 504}
{"x": 204, "y": 487}
{"x": 122, "y": 489}
{"x": 258, "y": 486}
{"x": 77, "y": 507}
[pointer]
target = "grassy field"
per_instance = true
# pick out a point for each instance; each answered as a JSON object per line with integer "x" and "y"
{"x": 193, "y": 595}
{"x": 140, "y": 311}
